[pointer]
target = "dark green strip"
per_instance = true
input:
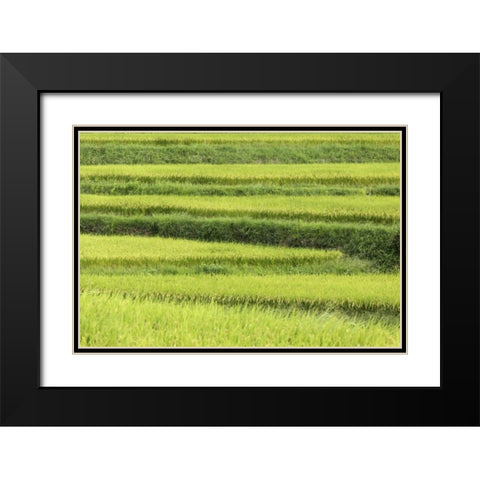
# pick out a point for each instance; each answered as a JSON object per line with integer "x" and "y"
{"x": 92, "y": 154}
{"x": 373, "y": 242}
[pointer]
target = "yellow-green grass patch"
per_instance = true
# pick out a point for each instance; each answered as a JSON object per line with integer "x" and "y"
{"x": 377, "y": 209}
{"x": 118, "y": 321}
{"x": 360, "y": 174}
{"x": 213, "y": 138}
{"x": 353, "y": 293}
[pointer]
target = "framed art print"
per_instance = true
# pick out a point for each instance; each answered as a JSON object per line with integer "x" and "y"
{"x": 244, "y": 239}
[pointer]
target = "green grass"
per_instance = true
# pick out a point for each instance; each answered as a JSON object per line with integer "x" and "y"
{"x": 361, "y": 174}
{"x": 123, "y": 255}
{"x": 379, "y": 243}
{"x": 351, "y": 293}
{"x": 235, "y": 153}
{"x": 116, "y": 321}
{"x": 341, "y": 266}
{"x": 274, "y": 239}
{"x": 129, "y": 251}
{"x": 335, "y": 209}
{"x": 164, "y": 148}
{"x": 243, "y": 138}
{"x": 100, "y": 186}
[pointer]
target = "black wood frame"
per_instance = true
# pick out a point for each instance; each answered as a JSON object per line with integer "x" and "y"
{"x": 23, "y": 77}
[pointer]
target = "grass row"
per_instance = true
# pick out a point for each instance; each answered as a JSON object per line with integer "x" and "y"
{"x": 116, "y": 321}
{"x": 355, "y": 293}
{"x": 379, "y": 243}
{"x": 99, "y": 186}
{"x": 127, "y": 250}
{"x": 361, "y": 174}
{"x": 338, "y": 266}
{"x": 235, "y": 153}
{"x": 375, "y": 209}
{"x": 241, "y": 138}
{"x": 121, "y": 255}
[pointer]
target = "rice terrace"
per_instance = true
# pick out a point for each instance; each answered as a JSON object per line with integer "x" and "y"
{"x": 240, "y": 239}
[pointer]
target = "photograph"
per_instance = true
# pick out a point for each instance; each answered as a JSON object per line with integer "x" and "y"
{"x": 239, "y": 238}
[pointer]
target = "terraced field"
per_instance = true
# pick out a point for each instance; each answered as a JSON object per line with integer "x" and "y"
{"x": 240, "y": 239}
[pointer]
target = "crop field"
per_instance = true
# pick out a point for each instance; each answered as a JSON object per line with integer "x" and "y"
{"x": 239, "y": 239}
{"x": 220, "y": 148}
